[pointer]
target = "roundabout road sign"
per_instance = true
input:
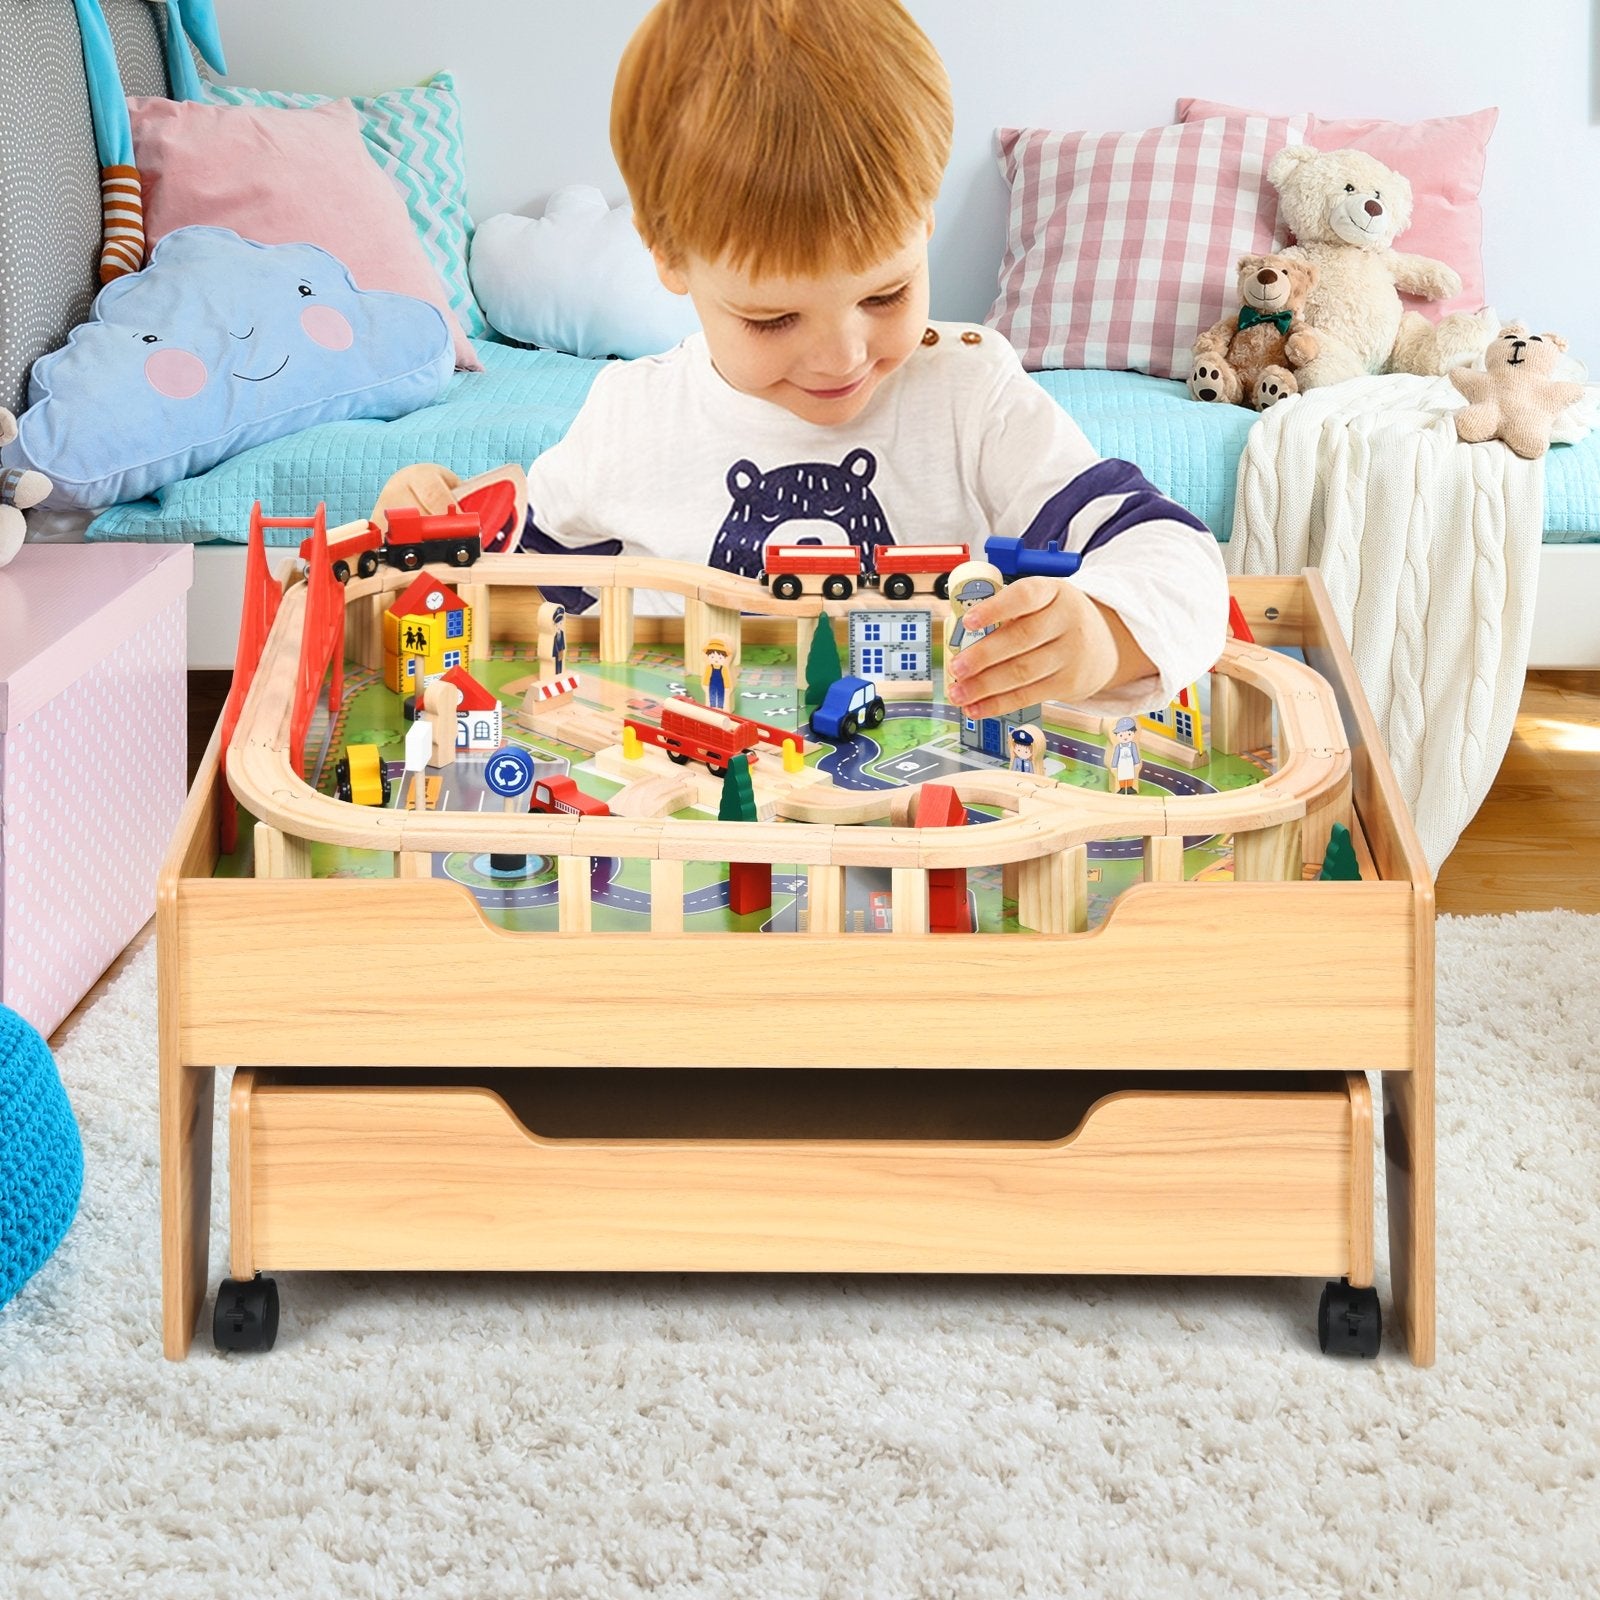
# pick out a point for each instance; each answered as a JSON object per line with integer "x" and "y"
{"x": 509, "y": 771}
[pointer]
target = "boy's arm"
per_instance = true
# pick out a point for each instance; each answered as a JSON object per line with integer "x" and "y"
{"x": 1147, "y": 614}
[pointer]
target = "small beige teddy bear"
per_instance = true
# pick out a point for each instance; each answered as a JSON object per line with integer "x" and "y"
{"x": 1245, "y": 359}
{"x": 1515, "y": 398}
{"x": 20, "y": 489}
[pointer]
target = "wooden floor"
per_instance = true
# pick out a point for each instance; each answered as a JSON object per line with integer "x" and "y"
{"x": 1533, "y": 846}
{"x": 1535, "y": 842}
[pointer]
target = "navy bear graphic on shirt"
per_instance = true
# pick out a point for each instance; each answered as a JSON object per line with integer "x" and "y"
{"x": 814, "y": 491}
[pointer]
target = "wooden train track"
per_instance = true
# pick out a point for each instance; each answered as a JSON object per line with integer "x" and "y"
{"x": 1043, "y": 817}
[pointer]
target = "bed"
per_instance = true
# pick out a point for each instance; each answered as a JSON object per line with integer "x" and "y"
{"x": 523, "y": 400}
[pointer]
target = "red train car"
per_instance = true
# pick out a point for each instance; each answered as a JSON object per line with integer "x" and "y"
{"x": 689, "y": 731}
{"x": 901, "y": 569}
{"x": 790, "y": 569}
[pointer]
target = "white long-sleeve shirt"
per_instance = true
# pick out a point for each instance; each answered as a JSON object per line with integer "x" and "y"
{"x": 957, "y": 444}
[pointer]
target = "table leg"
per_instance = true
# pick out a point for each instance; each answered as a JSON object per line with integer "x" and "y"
{"x": 1408, "y": 1149}
{"x": 186, "y": 1104}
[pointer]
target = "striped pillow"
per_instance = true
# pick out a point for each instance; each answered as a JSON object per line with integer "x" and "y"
{"x": 415, "y": 137}
{"x": 1122, "y": 247}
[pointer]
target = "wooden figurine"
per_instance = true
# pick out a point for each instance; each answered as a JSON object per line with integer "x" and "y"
{"x": 1123, "y": 761}
{"x": 441, "y": 700}
{"x": 717, "y": 677}
{"x": 971, "y": 582}
{"x": 1027, "y": 748}
{"x": 552, "y": 636}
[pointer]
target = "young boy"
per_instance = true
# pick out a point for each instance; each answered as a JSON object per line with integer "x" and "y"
{"x": 783, "y": 157}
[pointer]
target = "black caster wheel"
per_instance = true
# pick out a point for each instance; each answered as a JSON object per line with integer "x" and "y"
{"x": 246, "y": 1317}
{"x": 1349, "y": 1321}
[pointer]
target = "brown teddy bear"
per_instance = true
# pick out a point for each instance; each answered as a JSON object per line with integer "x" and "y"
{"x": 1514, "y": 398}
{"x": 1245, "y": 359}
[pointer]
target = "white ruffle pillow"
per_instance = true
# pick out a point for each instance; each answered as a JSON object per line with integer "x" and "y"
{"x": 577, "y": 279}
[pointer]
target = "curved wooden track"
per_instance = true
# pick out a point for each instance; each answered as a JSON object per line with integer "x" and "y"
{"x": 1043, "y": 817}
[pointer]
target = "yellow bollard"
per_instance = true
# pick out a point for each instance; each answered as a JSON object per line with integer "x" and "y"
{"x": 793, "y": 761}
{"x": 631, "y": 748}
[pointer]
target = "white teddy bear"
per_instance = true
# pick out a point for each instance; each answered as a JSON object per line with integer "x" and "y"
{"x": 1345, "y": 209}
{"x": 19, "y": 490}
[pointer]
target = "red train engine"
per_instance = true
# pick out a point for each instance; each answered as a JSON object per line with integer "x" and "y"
{"x": 689, "y": 731}
{"x": 454, "y": 537}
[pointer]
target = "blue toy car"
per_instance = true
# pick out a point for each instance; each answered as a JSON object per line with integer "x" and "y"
{"x": 849, "y": 705}
{"x": 1015, "y": 560}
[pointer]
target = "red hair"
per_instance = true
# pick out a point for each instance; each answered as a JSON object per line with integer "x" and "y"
{"x": 790, "y": 137}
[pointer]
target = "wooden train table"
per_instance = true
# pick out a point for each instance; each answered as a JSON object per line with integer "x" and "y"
{"x": 468, "y": 1038}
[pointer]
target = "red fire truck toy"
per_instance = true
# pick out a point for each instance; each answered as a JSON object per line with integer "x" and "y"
{"x": 689, "y": 732}
{"x": 564, "y": 795}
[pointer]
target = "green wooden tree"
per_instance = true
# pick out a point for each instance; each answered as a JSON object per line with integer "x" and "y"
{"x": 1339, "y": 860}
{"x": 738, "y": 793}
{"x": 822, "y": 664}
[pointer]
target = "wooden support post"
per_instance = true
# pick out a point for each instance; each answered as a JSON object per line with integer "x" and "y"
{"x": 280, "y": 855}
{"x": 477, "y": 595}
{"x": 908, "y": 887}
{"x": 1010, "y": 880}
{"x": 616, "y": 624}
{"x": 1163, "y": 859}
{"x": 1028, "y": 895}
{"x": 1320, "y": 817}
{"x": 364, "y": 631}
{"x": 1241, "y": 716}
{"x": 1075, "y": 867}
{"x": 825, "y": 899}
{"x": 574, "y": 908}
{"x": 413, "y": 864}
{"x": 1268, "y": 855}
{"x": 666, "y": 896}
{"x": 1054, "y": 891}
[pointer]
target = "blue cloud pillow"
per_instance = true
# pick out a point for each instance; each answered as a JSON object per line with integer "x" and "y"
{"x": 218, "y": 345}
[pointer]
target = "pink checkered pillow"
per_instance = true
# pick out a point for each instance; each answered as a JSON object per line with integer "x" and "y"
{"x": 1123, "y": 247}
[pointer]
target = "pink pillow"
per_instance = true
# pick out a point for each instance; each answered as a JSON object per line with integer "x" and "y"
{"x": 284, "y": 177}
{"x": 1122, "y": 247}
{"x": 1442, "y": 158}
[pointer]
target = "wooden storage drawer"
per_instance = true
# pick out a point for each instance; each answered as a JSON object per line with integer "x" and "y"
{"x": 581, "y": 1169}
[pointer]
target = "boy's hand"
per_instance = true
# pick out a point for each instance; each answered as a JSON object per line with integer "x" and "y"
{"x": 1053, "y": 643}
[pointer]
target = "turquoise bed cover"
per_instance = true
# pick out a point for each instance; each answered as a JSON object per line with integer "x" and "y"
{"x": 524, "y": 400}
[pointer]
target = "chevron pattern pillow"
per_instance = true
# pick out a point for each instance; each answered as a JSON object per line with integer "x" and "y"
{"x": 415, "y": 136}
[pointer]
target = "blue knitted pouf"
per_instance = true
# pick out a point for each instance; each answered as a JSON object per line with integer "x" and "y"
{"x": 41, "y": 1155}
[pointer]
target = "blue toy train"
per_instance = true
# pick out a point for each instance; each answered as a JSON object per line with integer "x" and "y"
{"x": 1018, "y": 561}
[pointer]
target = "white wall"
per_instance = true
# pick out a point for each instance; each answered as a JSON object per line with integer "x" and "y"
{"x": 535, "y": 78}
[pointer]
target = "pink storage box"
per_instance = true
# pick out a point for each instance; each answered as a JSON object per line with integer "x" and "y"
{"x": 93, "y": 768}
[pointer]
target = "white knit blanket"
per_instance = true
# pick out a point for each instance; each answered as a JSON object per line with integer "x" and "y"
{"x": 1430, "y": 550}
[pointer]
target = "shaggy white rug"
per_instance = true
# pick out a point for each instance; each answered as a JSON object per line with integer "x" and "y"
{"x": 841, "y": 1437}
